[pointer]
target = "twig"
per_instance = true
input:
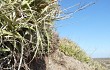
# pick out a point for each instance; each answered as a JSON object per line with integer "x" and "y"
{"x": 21, "y": 55}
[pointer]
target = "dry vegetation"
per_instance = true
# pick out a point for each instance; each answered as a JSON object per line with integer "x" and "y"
{"x": 26, "y": 32}
{"x": 27, "y": 35}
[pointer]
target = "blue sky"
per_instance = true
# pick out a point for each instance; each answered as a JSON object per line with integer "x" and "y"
{"x": 89, "y": 28}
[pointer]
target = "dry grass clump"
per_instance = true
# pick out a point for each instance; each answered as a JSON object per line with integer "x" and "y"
{"x": 25, "y": 31}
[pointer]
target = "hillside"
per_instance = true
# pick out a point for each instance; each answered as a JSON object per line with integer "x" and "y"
{"x": 71, "y": 49}
{"x": 59, "y": 61}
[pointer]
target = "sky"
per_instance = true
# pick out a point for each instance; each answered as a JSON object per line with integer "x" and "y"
{"x": 89, "y": 28}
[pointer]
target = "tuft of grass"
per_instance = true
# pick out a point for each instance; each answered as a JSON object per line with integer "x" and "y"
{"x": 72, "y": 49}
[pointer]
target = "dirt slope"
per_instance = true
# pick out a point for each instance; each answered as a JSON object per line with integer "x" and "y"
{"x": 58, "y": 61}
